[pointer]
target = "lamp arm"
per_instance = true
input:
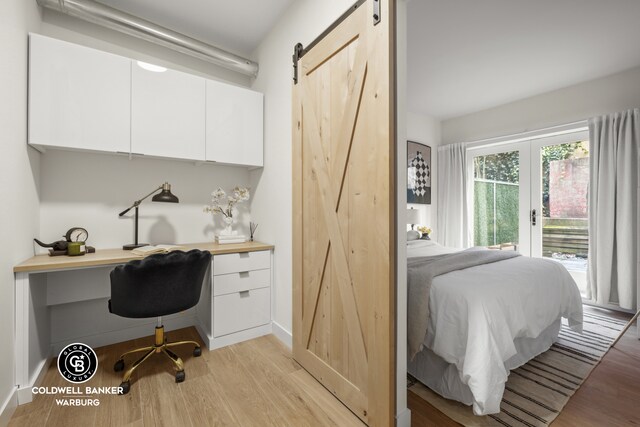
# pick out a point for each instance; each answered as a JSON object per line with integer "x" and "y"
{"x": 137, "y": 202}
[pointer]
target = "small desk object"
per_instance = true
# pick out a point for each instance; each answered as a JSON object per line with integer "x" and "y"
{"x": 62, "y": 300}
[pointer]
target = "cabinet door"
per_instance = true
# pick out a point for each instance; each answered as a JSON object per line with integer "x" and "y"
{"x": 234, "y": 124}
{"x": 167, "y": 113}
{"x": 78, "y": 97}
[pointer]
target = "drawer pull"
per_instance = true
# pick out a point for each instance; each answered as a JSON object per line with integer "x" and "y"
{"x": 244, "y": 294}
{"x": 244, "y": 274}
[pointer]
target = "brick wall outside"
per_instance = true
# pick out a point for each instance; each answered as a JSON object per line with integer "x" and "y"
{"x": 568, "y": 186}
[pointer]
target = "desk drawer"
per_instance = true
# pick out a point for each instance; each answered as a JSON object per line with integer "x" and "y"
{"x": 237, "y": 282}
{"x": 246, "y": 261}
{"x": 241, "y": 310}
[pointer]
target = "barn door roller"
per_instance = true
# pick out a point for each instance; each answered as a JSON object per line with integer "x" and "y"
{"x": 376, "y": 12}
{"x": 299, "y": 50}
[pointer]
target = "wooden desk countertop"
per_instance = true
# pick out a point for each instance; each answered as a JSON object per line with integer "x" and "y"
{"x": 120, "y": 256}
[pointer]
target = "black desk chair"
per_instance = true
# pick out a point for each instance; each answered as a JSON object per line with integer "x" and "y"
{"x": 156, "y": 286}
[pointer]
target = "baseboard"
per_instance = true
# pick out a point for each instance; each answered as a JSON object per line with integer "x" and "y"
{"x": 282, "y": 334}
{"x": 24, "y": 394}
{"x": 403, "y": 419}
{"x": 8, "y": 407}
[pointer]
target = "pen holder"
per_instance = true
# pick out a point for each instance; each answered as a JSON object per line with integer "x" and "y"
{"x": 76, "y": 249}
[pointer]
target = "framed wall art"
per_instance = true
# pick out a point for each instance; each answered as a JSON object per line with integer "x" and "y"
{"x": 418, "y": 173}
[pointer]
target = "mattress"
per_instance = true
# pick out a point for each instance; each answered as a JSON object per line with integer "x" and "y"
{"x": 488, "y": 319}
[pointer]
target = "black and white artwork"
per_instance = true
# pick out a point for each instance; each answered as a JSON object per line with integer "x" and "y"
{"x": 418, "y": 173}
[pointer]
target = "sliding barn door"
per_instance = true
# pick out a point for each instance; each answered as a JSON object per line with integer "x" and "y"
{"x": 344, "y": 211}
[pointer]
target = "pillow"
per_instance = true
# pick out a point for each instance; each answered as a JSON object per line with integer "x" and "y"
{"x": 412, "y": 235}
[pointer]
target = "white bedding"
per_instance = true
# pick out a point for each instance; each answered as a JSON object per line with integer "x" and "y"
{"x": 443, "y": 377}
{"x": 478, "y": 312}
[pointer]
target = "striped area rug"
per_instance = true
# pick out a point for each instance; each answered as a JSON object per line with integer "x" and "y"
{"x": 536, "y": 392}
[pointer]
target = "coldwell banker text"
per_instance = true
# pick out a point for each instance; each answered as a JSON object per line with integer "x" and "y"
{"x": 77, "y": 396}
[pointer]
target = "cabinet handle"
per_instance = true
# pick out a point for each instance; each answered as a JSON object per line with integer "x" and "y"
{"x": 244, "y": 273}
{"x": 244, "y": 294}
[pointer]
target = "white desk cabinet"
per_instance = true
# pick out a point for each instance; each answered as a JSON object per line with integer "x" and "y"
{"x": 79, "y": 98}
{"x": 167, "y": 113}
{"x": 61, "y": 300}
{"x": 234, "y": 125}
{"x": 238, "y": 306}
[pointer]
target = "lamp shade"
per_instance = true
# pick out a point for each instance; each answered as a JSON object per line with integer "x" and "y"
{"x": 165, "y": 195}
{"x": 413, "y": 216}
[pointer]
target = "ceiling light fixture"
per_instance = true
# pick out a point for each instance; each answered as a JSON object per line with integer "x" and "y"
{"x": 151, "y": 67}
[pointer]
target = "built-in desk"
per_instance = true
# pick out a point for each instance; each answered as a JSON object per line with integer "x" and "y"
{"x": 61, "y": 300}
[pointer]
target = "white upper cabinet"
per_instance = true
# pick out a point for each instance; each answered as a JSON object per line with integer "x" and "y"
{"x": 234, "y": 125}
{"x": 85, "y": 99}
{"x": 167, "y": 113}
{"x": 79, "y": 98}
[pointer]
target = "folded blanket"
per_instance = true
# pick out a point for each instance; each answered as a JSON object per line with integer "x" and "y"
{"x": 420, "y": 274}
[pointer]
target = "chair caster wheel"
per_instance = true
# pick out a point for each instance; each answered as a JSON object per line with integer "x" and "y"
{"x": 119, "y": 366}
{"x": 179, "y": 376}
{"x": 197, "y": 352}
{"x": 126, "y": 386}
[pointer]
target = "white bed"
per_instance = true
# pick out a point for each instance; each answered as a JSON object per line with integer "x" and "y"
{"x": 488, "y": 319}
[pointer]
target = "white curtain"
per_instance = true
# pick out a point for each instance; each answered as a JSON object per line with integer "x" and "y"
{"x": 613, "y": 208}
{"x": 453, "y": 204}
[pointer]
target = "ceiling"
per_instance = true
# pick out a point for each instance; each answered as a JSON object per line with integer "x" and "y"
{"x": 236, "y": 26}
{"x": 470, "y": 55}
{"x": 464, "y": 55}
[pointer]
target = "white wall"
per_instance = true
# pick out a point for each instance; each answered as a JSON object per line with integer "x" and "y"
{"x": 303, "y": 21}
{"x": 89, "y": 190}
{"x": 19, "y": 179}
{"x": 426, "y": 130}
{"x": 617, "y": 92}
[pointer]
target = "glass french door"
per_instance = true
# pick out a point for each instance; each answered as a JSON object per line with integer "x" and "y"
{"x": 559, "y": 188}
{"x": 533, "y": 195}
{"x": 501, "y": 196}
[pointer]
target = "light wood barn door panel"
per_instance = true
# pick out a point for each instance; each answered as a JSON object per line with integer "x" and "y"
{"x": 344, "y": 220}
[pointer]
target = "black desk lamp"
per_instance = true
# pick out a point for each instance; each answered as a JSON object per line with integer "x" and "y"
{"x": 164, "y": 196}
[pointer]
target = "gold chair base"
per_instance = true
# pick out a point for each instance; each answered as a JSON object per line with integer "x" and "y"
{"x": 160, "y": 346}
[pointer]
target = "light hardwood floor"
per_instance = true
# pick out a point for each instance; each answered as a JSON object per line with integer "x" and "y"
{"x": 609, "y": 397}
{"x": 255, "y": 383}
